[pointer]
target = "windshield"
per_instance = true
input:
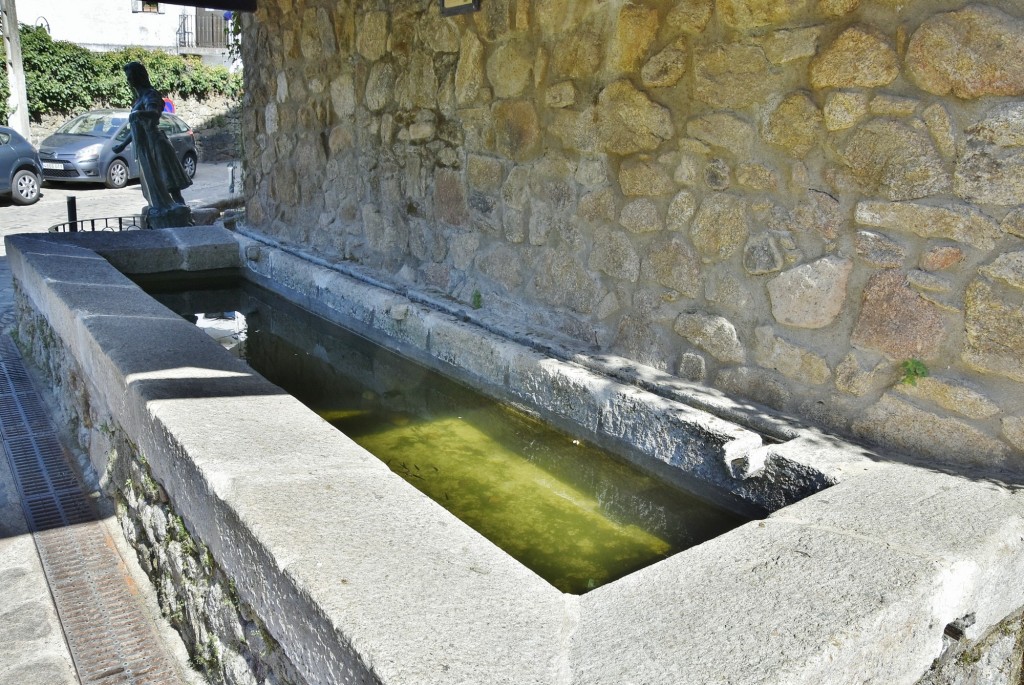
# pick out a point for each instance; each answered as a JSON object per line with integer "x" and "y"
{"x": 100, "y": 125}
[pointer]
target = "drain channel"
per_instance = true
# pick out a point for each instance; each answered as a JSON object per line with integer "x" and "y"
{"x": 111, "y": 639}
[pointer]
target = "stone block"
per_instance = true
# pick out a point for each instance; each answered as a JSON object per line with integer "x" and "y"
{"x": 994, "y": 322}
{"x": 953, "y": 222}
{"x": 629, "y": 122}
{"x": 811, "y": 295}
{"x": 858, "y": 58}
{"x": 970, "y": 53}
{"x": 896, "y": 321}
{"x": 720, "y": 227}
{"x": 713, "y": 334}
{"x": 792, "y": 361}
{"x": 900, "y": 425}
{"x": 734, "y": 76}
{"x": 795, "y": 125}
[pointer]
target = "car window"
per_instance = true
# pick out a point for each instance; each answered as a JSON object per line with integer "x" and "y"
{"x": 99, "y": 124}
{"x": 5, "y": 138}
{"x": 167, "y": 126}
{"x": 123, "y": 134}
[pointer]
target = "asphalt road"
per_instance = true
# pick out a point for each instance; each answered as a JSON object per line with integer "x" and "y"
{"x": 95, "y": 201}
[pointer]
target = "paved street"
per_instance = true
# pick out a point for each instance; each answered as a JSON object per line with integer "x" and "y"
{"x": 210, "y": 183}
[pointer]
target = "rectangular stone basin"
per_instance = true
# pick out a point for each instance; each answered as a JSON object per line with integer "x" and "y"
{"x": 353, "y": 576}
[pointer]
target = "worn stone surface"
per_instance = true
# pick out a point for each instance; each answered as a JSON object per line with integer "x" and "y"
{"x": 858, "y": 57}
{"x": 667, "y": 67}
{"x": 745, "y": 15}
{"x": 970, "y": 53}
{"x": 690, "y": 16}
{"x": 469, "y": 75}
{"x": 954, "y": 222}
{"x": 790, "y": 360}
{"x": 819, "y": 213}
{"x": 795, "y": 125}
{"x": 635, "y": 31}
{"x": 942, "y": 129}
{"x": 991, "y": 170}
{"x": 811, "y": 295}
{"x": 629, "y": 121}
{"x": 994, "y": 322}
{"x": 509, "y": 70}
{"x": 720, "y": 227}
{"x": 641, "y": 177}
{"x": 942, "y": 257}
{"x": 879, "y": 250}
{"x": 517, "y": 130}
{"x": 761, "y": 255}
{"x": 896, "y": 321}
{"x": 1007, "y": 268}
{"x": 560, "y": 95}
{"x": 1013, "y": 223}
{"x": 899, "y": 424}
{"x": 681, "y": 211}
{"x": 371, "y": 40}
{"x": 838, "y": 8}
{"x": 614, "y": 255}
{"x": 724, "y": 130}
{"x": 859, "y": 378}
{"x": 894, "y": 160}
{"x": 450, "y": 197}
{"x": 757, "y": 177}
{"x": 787, "y": 45}
{"x": 641, "y": 216}
{"x": 673, "y": 264}
{"x": 843, "y": 109}
{"x": 951, "y": 395}
{"x": 714, "y": 334}
{"x": 733, "y": 76}
{"x": 1013, "y": 431}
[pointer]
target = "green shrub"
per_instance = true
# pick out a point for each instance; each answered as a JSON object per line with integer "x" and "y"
{"x": 64, "y": 78}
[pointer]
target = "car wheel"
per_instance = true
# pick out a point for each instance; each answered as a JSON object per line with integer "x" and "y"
{"x": 189, "y": 164}
{"x": 117, "y": 174}
{"x": 25, "y": 187}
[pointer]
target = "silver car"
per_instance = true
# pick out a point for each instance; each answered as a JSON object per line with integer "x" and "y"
{"x": 81, "y": 151}
{"x": 19, "y": 168}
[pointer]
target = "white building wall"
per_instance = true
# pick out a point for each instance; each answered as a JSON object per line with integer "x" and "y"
{"x": 105, "y": 24}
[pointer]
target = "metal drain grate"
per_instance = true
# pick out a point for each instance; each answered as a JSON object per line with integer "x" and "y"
{"x": 111, "y": 638}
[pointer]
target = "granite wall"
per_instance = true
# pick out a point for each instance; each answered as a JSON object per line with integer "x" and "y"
{"x": 785, "y": 200}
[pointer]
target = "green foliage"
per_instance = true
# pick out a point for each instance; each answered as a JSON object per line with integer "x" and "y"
{"x": 64, "y": 78}
{"x": 58, "y": 74}
{"x": 912, "y": 370}
{"x": 477, "y": 300}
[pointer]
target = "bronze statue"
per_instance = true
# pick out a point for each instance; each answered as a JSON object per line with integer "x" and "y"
{"x": 162, "y": 175}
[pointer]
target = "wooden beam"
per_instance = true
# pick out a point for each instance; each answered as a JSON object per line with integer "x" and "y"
{"x": 233, "y": 5}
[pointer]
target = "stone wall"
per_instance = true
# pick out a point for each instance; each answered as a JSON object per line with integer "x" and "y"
{"x": 786, "y": 201}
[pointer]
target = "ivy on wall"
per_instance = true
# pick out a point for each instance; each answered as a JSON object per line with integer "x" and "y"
{"x": 64, "y": 78}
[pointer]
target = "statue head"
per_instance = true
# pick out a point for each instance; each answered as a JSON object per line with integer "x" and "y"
{"x": 137, "y": 75}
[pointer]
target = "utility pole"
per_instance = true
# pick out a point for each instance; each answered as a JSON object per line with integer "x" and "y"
{"x": 17, "y": 103}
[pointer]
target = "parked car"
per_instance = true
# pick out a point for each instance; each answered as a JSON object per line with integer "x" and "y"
{"x": 19, "y": 168}
{"x": 81, "y": 151}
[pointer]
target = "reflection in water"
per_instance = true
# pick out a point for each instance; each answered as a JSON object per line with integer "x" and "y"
{"x": 571, "y": 512}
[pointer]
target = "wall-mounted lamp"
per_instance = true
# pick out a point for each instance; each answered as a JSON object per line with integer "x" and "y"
{"x": 449, "y": 7}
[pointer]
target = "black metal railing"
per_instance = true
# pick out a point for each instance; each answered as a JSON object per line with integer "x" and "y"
{"x": 106, "y": 223}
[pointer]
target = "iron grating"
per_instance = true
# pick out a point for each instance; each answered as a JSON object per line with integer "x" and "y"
{"x": 111, "y": 638}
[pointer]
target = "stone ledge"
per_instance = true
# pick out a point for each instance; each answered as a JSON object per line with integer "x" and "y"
{"x": 362, "y": 579}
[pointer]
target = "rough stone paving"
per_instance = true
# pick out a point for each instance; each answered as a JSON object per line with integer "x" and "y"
{"x": 782, "y": 200}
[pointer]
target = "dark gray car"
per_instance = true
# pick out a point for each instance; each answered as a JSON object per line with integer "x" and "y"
{"x": 19, "y": 168}
{"x": 81, "y": 151}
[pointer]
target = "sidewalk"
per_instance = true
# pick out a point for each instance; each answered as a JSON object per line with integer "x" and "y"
{"x": 33, "y": 649}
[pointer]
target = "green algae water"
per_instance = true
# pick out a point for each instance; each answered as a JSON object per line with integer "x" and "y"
{"x": 573, "y": 513}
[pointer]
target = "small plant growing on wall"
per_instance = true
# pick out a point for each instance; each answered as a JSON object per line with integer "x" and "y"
{"x": 912, "y": 369}
{"x": 477, "y": 300}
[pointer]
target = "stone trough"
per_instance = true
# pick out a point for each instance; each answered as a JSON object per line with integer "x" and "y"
{"x": 284, "y": 552}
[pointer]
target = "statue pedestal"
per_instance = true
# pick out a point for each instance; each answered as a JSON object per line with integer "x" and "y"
{"x": 174, "y": 216}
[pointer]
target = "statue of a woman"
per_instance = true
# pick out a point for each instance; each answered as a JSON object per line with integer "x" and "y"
{"x": 162, "y": 175}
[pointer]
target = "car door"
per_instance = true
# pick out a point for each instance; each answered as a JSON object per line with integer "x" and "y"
{"x": 128, "y": 154}
{"x": 8, "y": 156}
